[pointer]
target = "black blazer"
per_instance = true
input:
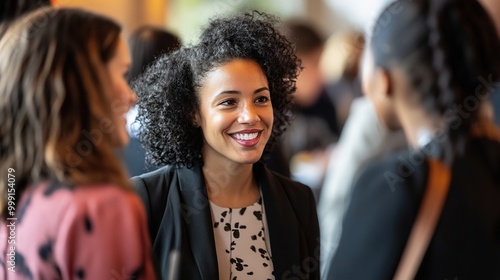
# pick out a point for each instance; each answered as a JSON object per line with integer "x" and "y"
{"x": 384, "y": 205}
{"x": 179, "y": 218}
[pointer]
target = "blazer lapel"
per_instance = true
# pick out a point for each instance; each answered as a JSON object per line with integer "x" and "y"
{"x": 198, "y": 220}
{"x": 281, "y": 222}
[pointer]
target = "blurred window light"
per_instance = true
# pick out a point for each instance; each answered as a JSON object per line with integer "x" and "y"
{"x": 186, "y": 17}
{"x": 360, "y": 13}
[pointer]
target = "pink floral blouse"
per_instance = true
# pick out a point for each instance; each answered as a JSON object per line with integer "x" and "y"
{"x": 85, "y": 232}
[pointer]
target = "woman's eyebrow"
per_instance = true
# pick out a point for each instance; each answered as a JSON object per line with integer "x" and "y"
{"x": 239, "y": 92}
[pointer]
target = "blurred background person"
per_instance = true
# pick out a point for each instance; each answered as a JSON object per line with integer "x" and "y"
{"x": 310, "y": 100}
{"x": 314, "y": 126}
{"x": 146, "y": 44}
{"x": 64, "y": 98}
{"x": 363, "y": 138}
{"x": 424, "y": 78}
{"x": 340, "y": 67}
{"x": 493, "y": 9}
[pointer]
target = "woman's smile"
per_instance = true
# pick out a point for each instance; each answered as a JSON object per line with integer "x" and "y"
{"x": 247, "y": 138}
{"x": 236, "y": 115}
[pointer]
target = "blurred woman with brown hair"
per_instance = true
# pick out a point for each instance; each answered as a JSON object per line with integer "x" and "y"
{"x": 67, "y": 209}
{"x": 12, "y": 9}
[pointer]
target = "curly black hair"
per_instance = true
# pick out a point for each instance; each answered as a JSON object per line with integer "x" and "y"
{"x": 168, "y": 89}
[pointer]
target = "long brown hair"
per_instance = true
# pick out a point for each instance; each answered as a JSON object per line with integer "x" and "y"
{"x": 12, "y": 9}
{"x": 55, "y": 101}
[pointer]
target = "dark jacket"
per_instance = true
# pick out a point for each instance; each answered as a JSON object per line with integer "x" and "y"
{"x": 179, "y": 217}
{"x": 385, "y": 202}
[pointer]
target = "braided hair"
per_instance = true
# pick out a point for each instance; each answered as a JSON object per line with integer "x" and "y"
{"x": 168, "y": 89}
{"x": 445, "y": 48}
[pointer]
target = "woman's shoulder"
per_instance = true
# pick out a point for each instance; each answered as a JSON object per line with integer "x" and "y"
{"x": 93, "y": 199}
{"x": 388, "y": 189}
{"x": 65, "y": 204}
{"x": 153, "y": 187}
{"x": 155, "y": 176}
{"x": 74, "y": 222}
{"x": 400, "y": 171}
{"x": 78, "y": 195}
{"x": 107, "y": 195}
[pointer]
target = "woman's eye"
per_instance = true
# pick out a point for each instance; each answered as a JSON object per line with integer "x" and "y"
{"x": 228, "y": 102}
{"x": 262, "y": 99}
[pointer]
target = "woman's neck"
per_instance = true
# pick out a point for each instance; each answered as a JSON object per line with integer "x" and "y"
{"x": 231, "y": 185}
{"x": 419, "y": 127}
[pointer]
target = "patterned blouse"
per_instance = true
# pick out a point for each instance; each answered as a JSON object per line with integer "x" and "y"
{"x": 83, "y": 232}
{"x": 240, "y": 241}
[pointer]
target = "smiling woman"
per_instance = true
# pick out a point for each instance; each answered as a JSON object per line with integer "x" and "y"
{"x": 235, "y": 114}
{"x": 209, "y": 112}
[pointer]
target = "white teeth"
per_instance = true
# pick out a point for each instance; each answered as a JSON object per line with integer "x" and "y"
{"x": 246, "y": 136}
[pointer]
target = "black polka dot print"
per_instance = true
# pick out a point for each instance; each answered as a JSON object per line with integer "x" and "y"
{"x": 240, "y": 239}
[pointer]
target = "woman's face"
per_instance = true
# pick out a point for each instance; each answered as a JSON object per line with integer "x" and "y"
{"x": 123, "y": 98}
{"x": 236, "y": 115}
{"x": 375, "y": 84}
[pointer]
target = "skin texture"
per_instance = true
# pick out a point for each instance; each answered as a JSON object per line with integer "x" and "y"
{"x": 376, "y": 84}
{"x": 123, "y": 98}
{"x": 234, "y": 102}
{"x": 235, "y": 99}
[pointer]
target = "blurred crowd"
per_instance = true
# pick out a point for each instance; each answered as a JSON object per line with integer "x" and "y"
{"x": 266, "y": 150}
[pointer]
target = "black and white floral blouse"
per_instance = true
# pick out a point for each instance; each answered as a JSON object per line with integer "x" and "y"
{"x": 240, "y": 240}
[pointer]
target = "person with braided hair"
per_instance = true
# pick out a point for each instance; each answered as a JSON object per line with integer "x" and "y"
{"x": 428, "y": 69}
{"x": 493, "y": 7}
{"x": 209, "y": 112}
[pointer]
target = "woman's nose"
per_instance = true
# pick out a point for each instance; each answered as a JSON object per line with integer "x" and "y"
{"x": 248, "y": 114}
{"x": 132, "y": 97}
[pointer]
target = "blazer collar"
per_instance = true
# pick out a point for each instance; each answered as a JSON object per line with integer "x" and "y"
{"x": 196, "y": 213}
{"x": 281, "y": 221}
{"x": 280, "y": 216}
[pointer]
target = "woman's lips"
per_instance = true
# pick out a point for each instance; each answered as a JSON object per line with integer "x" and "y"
{"x": 247, "y": 139}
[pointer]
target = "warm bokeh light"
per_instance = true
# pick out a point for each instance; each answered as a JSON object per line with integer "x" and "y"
{"x": 130, "y": 13}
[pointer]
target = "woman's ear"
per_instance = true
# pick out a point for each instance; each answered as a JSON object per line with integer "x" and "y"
{"x": 196, "y": 119}
{"x": 376, "y": 81}
{"x": 384, "y": 82}
{"x": 384, "y": 98}
{"x": 379, "y": 86}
